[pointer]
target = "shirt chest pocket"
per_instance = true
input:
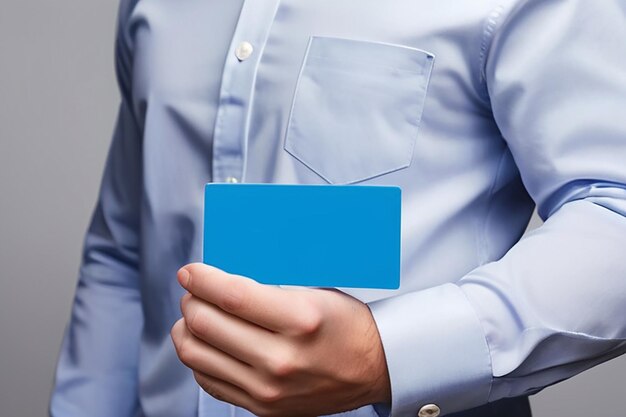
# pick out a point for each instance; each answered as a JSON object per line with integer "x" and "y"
{"x": 357, "y": 108}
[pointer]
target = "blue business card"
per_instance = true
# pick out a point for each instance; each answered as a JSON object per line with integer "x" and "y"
{"x": 307, "y": 235}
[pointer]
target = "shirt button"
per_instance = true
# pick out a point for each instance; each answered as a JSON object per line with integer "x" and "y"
{"x": 429, "y": 410}
{"x": 232, "y": 180}
{"x": 244, "y": 50}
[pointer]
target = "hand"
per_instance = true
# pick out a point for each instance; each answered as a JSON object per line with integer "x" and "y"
{"x": 276, "y": 351}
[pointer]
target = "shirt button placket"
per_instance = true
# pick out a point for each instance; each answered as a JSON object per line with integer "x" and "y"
{"x": 230, "y": 137}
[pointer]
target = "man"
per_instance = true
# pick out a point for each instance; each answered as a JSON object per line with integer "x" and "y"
{"x": 478, "y": 110}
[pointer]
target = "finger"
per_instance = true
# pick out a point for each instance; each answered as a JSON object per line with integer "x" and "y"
{"x": 201, "y": 357}
{"x": 271, "y": 307}
{"x": 269, "y": 401}
{"x": 238, "y": 338}
{"x": 229, "y": 393}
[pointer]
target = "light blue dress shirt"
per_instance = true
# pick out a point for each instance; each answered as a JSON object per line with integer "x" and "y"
{"x": 479, "y": 110}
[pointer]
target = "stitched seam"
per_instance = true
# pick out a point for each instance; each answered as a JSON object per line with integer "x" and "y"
{"x": 492, "y": 26}
{"x": 251, "y": 102}
{"x": 353, "y": 62}
{"x": 489, "y": 29}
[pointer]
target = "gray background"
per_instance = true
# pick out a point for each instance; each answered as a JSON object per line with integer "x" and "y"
{"x": 57, "y": 105}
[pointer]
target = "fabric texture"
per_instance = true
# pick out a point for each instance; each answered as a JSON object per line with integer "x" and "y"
{"x": 479, "y": 111}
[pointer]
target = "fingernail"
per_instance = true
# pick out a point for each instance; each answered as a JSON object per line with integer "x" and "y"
{"x": 183, "y": 277}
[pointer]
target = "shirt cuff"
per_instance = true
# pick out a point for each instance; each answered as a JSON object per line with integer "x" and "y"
{"x": 435, "y": 349}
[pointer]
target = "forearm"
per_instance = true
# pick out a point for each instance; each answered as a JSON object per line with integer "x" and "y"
{"x": 551, "y": 308}
{"x": 555, "y": 304}
{"x": 97, "y": 369}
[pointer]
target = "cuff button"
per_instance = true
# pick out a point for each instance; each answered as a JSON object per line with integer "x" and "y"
{"x": 429, "y": 410}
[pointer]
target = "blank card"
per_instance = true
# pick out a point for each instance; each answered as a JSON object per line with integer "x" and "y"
{"x": 306, "y": 235}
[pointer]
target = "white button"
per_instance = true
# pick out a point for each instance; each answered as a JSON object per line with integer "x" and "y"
{"x": 429, "y": 410}
{"x": 232, "y": 180}
{"x": 244, "y": 50}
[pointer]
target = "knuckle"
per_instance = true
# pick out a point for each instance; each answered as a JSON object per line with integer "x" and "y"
{"x": 282, "y": 366}
{"x": 311, "y": 323}
{"x": 194, "y": 320}
{"x": 268, "y": 394}
{"x": 177, "y": 332}
{"x": 184, "y": 354}
{"x": 177, "y": 327}
{"x": 185, "y": 351}
{"x": 184, "y": 301}
{"x": 311, "y": 320}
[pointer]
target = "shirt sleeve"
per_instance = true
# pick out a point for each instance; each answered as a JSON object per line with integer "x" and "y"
{"x": 555, "y": 304}
{"x": 97, "y": 369}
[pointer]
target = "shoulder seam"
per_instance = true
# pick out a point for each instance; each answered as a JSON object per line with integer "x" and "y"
{"x": 492, "y": 25}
